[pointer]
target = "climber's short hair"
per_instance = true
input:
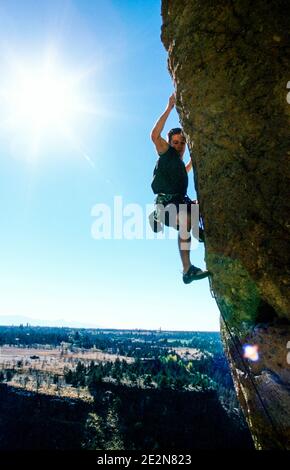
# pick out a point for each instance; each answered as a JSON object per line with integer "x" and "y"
{"x": 172, "y": 132}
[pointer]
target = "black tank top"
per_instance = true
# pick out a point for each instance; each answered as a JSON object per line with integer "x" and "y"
{"x": 170, "y": 175}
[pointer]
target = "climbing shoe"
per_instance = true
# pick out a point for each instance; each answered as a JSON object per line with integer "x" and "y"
{"x": 193, "y": 274}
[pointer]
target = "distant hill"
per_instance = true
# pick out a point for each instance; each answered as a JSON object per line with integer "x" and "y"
{"x": 16, "y": 320}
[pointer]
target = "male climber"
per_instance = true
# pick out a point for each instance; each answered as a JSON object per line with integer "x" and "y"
{"x": 170, "y": 182}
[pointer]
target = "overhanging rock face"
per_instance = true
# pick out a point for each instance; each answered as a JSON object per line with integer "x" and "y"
{"x": 230, "y": 63}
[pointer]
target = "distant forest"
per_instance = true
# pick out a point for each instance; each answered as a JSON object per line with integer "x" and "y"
{"x": 119, "y": 340}
{"x": 179, "y": 376}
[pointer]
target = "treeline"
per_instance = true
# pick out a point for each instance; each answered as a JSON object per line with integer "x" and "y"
{"x": 122, "y": 342}
{"x": 29, "y": 336}
{"x": 166, "y": 372}
{"x": 169, "y": 373}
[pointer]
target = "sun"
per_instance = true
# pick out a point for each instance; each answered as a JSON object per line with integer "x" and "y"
{"x": 42, "y": 97}
{"x": 42, "y": 102}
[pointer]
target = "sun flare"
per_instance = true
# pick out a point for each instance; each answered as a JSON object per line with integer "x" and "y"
{"x": 42, "y": 97}
{"x": 40, "y": 103}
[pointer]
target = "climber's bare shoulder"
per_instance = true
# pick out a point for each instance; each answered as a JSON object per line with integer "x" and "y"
{"x": 160, "y": 144}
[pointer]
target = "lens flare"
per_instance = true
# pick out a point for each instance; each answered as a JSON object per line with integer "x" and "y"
{"x": 42, "y": 103}
{"x": 251, "y": 352}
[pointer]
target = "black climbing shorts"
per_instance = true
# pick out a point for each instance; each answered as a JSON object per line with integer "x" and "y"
{"x": 167, "y": 206}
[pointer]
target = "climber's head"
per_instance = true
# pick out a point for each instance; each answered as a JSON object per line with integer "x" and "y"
{"x": 177, "y": 140}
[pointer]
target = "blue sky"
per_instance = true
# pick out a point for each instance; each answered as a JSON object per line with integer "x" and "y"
{"x": 51, "y": 266}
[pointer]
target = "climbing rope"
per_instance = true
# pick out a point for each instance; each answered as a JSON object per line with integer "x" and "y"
{"x": 243, "y": 362}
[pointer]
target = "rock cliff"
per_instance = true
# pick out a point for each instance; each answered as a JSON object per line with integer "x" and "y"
{"x": 230, "y": 63}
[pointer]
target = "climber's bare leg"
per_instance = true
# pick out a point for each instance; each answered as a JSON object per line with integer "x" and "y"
{"x": 184, "y": 238}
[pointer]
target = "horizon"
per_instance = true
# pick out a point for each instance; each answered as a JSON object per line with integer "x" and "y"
{"x": 25, "y": 324}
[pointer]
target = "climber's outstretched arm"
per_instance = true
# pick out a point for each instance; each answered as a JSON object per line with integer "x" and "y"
{"x": 160, "y": 143}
